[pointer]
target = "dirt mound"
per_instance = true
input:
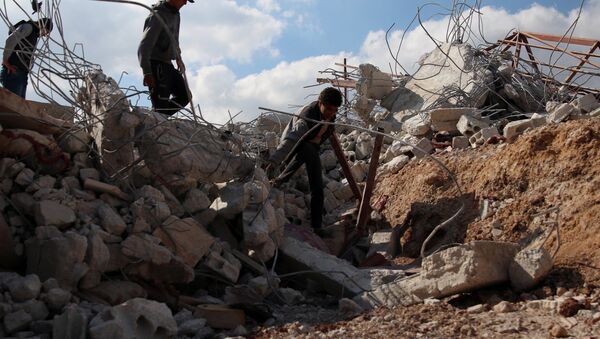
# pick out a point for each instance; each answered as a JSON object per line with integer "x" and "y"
{"x": 549, "y": 176}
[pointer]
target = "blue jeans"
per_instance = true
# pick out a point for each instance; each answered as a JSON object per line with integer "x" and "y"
{"x": 14, "y": 82}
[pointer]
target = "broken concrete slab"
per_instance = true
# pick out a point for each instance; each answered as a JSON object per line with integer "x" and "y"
{"x": 515, "y": 128}
{"x": 445, "y": 119}
{"x": 455, "y": 270}
{"x": 136, "y": 318}
{"x": 220, "y": 260}
{"x": 373, "y": 84}
{"x": 196, "y": 201}
{"x": 587, "y": 103}
{"x": 52, "y": 213}
{"x": 449, "y": 67}
{"x": 24, "y": 288}
{"x": 468, "y": 125}
{"x": 335, "y": 275}
{"x": 52, "y": 254}
{"x": 385, "y": 243}
{"x": 183, "y": 152}
{"x": 117, "y": 292}
{"x": 107, "y": 106}
{"x": 529, "y": 267}
{"x": 231, "y": 201}
{"x": 561, "y": 113}
{"x": 17, "y": 112}
{"x": 418, "y": 125}
{"x": 71, "y": 324}
{"x": 186, "y": 238}
{"x": 110, "y": 220}
{"x": 422, "y": 148}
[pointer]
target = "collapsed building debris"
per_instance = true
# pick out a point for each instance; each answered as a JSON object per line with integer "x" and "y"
{"x": 128, "y": 223}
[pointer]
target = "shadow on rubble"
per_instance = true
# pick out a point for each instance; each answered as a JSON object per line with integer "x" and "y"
{"x": 424, "y": 217}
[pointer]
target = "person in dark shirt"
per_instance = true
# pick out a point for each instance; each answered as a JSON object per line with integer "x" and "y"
{"x": 18, "y": 54}
{"x": 300, "y": 144}
{"x": 158, "y": 47}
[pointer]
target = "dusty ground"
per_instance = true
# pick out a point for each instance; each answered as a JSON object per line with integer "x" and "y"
{"x": 549, "y": 176}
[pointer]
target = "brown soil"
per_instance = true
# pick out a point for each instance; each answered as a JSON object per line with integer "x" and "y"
{"x": 555, "y": 166}
{"x": 551, "y": 167}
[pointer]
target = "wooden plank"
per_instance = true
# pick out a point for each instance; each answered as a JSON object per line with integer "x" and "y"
{"x": 338, "y": 82}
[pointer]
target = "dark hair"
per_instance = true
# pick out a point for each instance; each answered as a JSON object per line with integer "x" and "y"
{"x": 46, "y": 23}
{"x": 331, "y": 96}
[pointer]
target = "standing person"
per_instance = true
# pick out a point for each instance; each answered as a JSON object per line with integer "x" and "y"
{"x": 158, "y": 47}
{"x": 19, "y": 48}
{"x": 301, "y": 142}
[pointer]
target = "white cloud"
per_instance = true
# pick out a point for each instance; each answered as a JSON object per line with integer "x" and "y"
{"x": 268, "y": 5}
{"x": 218, "y": 90}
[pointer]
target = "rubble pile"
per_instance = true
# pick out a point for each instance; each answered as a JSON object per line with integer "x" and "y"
{"x": 131, "y": 224}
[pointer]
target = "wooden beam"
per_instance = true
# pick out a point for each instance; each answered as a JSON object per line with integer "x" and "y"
{"x": 338, "y": 82}
{"x": 561, "y": 39}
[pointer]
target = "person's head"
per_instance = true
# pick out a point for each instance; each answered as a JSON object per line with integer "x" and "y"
{"x": 45, "y": 25}
{"x": 330, "y": 100}
{"x": 179, "y": 3}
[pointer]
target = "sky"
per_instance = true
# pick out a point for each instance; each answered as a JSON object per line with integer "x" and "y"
{"x": 242, "y": 54}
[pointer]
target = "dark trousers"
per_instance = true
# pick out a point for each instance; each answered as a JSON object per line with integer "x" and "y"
{"x": 307, "y": 153}
{"x": 169, "y": 94}
{"x": 15, "y": 82}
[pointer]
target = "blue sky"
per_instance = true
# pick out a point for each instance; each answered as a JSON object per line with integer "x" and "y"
{"x": 242, "y": 54}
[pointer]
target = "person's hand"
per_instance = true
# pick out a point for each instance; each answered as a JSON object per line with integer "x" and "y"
{"x": 180, "y": 65}
{"x": 149, "y": 81}
{"x": 9, "y": 68}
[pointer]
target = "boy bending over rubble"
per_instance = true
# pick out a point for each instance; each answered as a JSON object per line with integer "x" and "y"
{"x": 300, "y": 144}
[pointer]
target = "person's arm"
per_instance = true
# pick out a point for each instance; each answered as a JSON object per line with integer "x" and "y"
{"x": 149, "y": 38}
{"x": 294, "y": 132}
{"x": 11, "y": 43}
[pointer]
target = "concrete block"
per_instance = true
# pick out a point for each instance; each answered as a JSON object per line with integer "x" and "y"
{"x": 195, "y": 201}
{"x": 445, "y": 119}
{"x": 25, "y": 288}
{"x": 560, "y": 113}
{"x": 417, "y": 125}
{"x": 529, "y": 268}
{"x": 222, "y": 262}
{"x": 25, "y": 177}
{"x": 468, "y": 125}
{"x": 422, "y": 148}
{"x": 515, "y": 128}
{"x": 394, "y": 166}
{"x": 482, "y": 136}
{"x": 231, "y": 201}
{"x": 117, "y": 292}
{"x": 335, "y": 275}
{"x": 137, "y": 318}
{"x": 455, "y": 270}
{"x": 17, "y": 321}
{"x": 110, "y": 220}
{"x": 186, "y": 238}
{"x": 587, "y": 103}
{"x": 52, "y": 254}
{"x": 329, "y": 160}
{"x": 460, "y": 142}
{"x": 52, "y": 213}
{"x": 374, "y": 84}
{"x": 71, "y": 324}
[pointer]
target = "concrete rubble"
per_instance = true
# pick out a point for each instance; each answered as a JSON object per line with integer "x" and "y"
{"x": 132, "y": 203}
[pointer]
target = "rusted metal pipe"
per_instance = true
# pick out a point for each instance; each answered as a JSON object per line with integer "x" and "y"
{"x": 365, "y": 205}
{"x": 335, "y": 143}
